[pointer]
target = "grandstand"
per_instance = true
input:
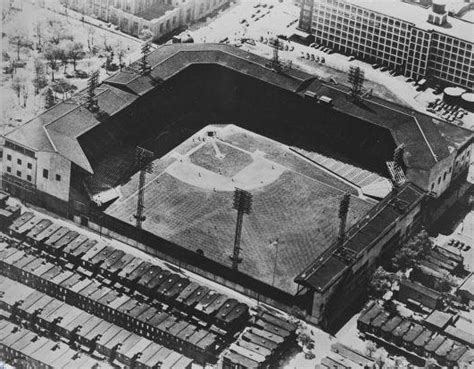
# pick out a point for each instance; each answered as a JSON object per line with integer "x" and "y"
{"x": 188, "y": 202}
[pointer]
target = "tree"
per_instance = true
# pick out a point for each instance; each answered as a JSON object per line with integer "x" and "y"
{"x": 380, "y": 357}
{"x": 38, "y": 28}
{"x": 19, "y": 39}
{"x": 90, "y": 39}
{"x": 39, "y": 80}
{"x": 381, "y": 282}
{"x": 64, "y": 46}
{"x": 50, "y": 100}
{"x": 75, "y": 52}
{"x": 413, "y": 251}
{"x": 53, "y": 55}
{"x": 57, "y": 31}
{"x": 447, "y": 282}
{"x": 145, "y": 34}
{"x": 24, "y": 93}
{"x": 120, "y": 51}
{"x": 370, "y": 348}
{"x": 356, "y": 79}
{"x": 17, "y": 85}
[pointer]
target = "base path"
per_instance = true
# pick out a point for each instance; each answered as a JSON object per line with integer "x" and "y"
{"x": 259, "y": 173}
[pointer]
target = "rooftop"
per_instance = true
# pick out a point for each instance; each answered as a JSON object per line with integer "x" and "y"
{"x": 157, "y": 10}
{"x": 418, "y": 15}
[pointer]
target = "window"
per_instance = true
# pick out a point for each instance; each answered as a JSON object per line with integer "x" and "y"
{"x": 9, "y": 157}
{"x": 58, "y": 177}
{"x": 18, "y": 173}
{"x": 9, "y": 169}
{"x": 29, "y": 165}
{"x": 28, "y": 177}
{"x": 45, "y": 173}
{"x": 18, "y": 161}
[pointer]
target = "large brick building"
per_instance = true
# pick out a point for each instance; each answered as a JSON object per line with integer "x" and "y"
{"x": 161, "y": 17}
{"x": 421, "y": 39}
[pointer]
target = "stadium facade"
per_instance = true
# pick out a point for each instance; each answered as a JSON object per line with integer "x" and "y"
{"x": 61, "y": 158}
{"x": 421, "y": 39}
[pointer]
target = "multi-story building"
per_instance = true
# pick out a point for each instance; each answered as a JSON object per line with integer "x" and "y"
{"x": 161, "y": 17}
{"x": 93, "y": 8}
{"x": 419, "y": 39}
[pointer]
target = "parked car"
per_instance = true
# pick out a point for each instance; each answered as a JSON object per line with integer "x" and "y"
{"x": 384, "y": 68}
{"x": 351, "y": 58}
{"x": 375, "y": 65}
{"x": 81, "y": 74}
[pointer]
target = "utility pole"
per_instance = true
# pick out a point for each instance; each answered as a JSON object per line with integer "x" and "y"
{"x": 243, "y": 205}
{"x": 343, "y": 210}
{"x": 144, "y": 162}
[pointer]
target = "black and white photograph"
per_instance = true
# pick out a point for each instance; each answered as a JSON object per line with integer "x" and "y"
{"x": 237, "y": 184}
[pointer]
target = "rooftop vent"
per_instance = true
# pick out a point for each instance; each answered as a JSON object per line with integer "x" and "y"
{"x": 325, "y": 100}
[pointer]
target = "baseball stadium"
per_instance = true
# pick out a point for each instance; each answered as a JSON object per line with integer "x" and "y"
{"x": 214, "y": 118}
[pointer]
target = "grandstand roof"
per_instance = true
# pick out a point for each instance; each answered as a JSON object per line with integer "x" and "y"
{"x": 326, "y": 269}
{"x": 57, "y": 129}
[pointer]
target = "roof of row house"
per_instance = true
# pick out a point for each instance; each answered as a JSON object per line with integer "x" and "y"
{"x": 148, "y": 276}
{"x": 88, "y": 325}
{"x": 258, "y": 344}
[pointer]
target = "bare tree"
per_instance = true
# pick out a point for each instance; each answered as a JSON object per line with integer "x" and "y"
{"x": 39, "y": 80}
{"x": 18, "y": 83}
{"x": 370, "y": 348}
{"x": 53, "y": 55}
{"x": 19, "y": 39}
{"x": 90, "y": 38}
{"x": 38, "y": 28}
{"x": 24, "y": 93}
{"x": 75, "y": 52}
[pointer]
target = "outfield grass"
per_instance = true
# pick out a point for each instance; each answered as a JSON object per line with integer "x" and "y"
{"x": 299, "y": 210}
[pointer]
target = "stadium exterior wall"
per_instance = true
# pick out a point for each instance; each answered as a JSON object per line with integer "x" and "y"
{"x": 343, "y": 294}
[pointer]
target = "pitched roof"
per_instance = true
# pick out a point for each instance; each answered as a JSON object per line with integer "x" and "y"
{"x": 58, "y": 129}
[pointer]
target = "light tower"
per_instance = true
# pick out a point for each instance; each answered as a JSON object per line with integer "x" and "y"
{"x": 143, "y": 161}
{"x": 243, "y": 205}
{"x": 343, "y": 210}
{"x": 276, "y": 64}
{"x": 356, "y": 79}
{"x": 144, "y": 67}
{"x": 91, "y": 98}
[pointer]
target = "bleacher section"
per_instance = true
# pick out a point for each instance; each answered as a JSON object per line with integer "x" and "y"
{"x": 371, "y": 183}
